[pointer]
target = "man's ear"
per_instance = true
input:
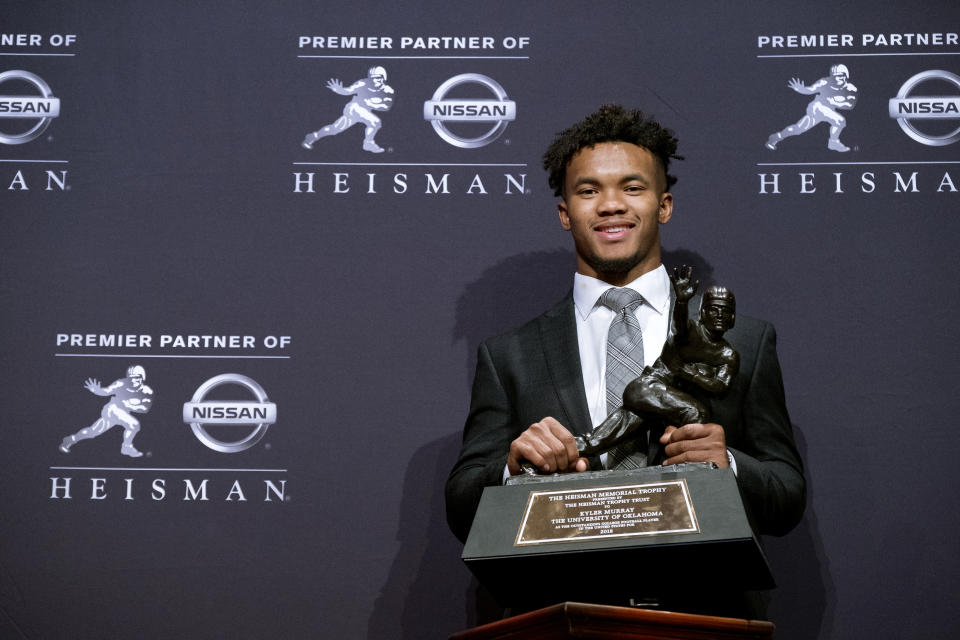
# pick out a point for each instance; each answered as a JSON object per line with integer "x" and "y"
{"x": 564, "y": 216}
{"x": 666, "y": 207}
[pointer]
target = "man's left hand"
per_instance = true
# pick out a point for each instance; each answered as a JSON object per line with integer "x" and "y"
{"x": 695, "y": 443}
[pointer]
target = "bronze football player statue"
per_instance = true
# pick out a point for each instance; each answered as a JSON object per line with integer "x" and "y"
{"x": 695, "y": 358}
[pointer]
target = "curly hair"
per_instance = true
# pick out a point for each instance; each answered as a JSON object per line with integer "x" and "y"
{"x": 610, "y": 123}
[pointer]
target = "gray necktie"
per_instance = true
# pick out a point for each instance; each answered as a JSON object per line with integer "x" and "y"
{"x": 624, "y": 363}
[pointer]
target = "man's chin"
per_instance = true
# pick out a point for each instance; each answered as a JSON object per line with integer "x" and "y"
{"x": 613, "y": 266}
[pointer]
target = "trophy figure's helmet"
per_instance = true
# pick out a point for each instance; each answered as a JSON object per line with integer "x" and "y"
{"x": 840, "y": 70}
{"x": 718, "y": 309}
{"x": 377, "y": 71}
{"x": 137, "y": 370}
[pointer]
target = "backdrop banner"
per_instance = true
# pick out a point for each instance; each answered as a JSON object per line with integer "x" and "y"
{"x": 248, "y": 251}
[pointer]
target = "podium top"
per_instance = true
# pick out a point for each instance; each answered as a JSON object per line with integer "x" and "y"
{"x": 582, "y": 620}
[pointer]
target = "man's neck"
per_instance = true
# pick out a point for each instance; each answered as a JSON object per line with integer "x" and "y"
{"x": 621, "y": 278}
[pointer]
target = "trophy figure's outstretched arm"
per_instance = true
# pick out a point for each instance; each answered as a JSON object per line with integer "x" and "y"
{"x": 683, "y": 288}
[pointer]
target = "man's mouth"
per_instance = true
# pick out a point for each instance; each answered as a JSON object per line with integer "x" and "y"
{"x": 614, "y": 232}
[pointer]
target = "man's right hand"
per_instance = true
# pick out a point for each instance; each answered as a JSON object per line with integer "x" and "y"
{"x": 548, "y": 446}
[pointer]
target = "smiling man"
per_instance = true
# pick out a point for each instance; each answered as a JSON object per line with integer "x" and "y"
{"x": 540, "y": 386}
{"x": 614, "y": 201}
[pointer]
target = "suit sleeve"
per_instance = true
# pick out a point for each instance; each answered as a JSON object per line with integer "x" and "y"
{"x": 490, "y": 428}
{"x": 769, "y": 468}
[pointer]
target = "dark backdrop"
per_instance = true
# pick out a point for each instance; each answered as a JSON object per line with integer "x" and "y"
{"x": 182, "y": 213}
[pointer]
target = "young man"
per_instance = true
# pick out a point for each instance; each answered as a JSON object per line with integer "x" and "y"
{"x": 538, "y": 386}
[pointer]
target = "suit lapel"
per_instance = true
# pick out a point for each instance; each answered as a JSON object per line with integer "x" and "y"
{"x": 558, "y": 335}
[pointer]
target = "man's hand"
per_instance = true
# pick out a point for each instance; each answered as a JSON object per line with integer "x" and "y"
{"x": 695, "y": 443}
{"x": 797, "y": 85}
{"x": 548, "y": 446}
{"x": 93, "y": 386}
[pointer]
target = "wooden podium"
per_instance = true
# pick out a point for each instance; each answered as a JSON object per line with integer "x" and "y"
{"x": 597, "y": 621}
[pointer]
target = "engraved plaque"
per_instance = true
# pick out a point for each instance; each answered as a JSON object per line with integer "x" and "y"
{"x": 650, "y": 508}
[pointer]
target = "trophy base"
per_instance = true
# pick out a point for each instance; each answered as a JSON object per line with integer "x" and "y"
{"x": 615, "y": 536}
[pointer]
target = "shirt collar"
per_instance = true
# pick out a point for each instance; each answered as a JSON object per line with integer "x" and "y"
{"x": 654, "y": 286}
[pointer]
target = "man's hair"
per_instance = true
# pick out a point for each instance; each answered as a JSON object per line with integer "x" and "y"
{"x": 610, "y": 123}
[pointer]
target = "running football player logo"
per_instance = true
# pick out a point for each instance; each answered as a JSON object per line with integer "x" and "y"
{"x": 833, "y": 94}
{"x": 127, "y": 396}
{"x": 370, "y": 95}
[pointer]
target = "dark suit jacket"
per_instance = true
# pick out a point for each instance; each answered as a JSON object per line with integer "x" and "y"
{"x": 534, "y": 371}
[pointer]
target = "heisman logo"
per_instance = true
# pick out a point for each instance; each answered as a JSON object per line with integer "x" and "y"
{"x": 439, "y": 110}
{"x": 906, "y": 107}
{"x": 127, "y": 396}
{"x": 833, "y": 93}
{"x": 43, "y": 108}
{"x": 370, "y": 94}
{"x": 201, "y": 412}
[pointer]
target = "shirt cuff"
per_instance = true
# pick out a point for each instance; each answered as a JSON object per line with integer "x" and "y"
{"x": 732, "y": 461}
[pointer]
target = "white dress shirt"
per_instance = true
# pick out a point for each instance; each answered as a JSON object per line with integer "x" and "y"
{"x": 593, "y": 324}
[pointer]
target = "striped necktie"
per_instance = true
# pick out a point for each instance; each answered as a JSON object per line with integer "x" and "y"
{"x": 624, "y": 363}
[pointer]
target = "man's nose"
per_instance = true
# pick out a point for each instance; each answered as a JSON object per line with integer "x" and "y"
{"x": 612, "y": 203}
